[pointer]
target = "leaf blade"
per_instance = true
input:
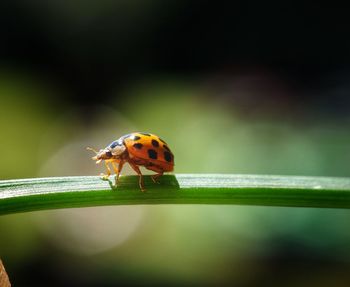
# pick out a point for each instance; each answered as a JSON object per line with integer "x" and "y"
{"x": 25, "y": 195}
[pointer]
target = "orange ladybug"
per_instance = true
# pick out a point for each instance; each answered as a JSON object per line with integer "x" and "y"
{"x": 138, "y": 149}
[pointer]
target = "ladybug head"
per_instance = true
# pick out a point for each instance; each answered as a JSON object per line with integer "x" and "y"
{"x": 102, "y": 154}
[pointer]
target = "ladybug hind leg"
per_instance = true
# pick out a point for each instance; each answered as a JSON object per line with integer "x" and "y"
{"x": 156, "y": 169}
{"x": 156, "y": 176}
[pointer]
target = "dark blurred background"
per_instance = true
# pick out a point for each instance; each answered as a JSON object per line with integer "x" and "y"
{"x": 234, "y": 87}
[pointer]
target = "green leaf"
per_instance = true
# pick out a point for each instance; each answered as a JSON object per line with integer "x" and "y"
{"x": 66, "y": 192}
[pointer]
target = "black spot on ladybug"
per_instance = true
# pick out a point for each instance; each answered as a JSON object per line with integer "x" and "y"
{"x": 135, "y": 138}
{"x": 168, "y": 156}
{"x": 145, "y": 134}
{"x": 155, "y": 143}
{"x": 114, "y": 144}
{"x": 166, "y": 147}
{"x": 138, "y": 146}
{"x": 108, "y": 153}
{"x": 152, "y": 154}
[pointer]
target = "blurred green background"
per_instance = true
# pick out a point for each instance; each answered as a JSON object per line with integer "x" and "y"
{"x": 240, "y": 88}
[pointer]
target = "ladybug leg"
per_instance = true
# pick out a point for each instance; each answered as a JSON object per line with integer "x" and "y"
{"x": 137, "y": 170}
{"x": 117, "y": 171}
{"x": 106, "y": 176}
{"x": 156, "y": 169}
{"x": 156, "y": 176}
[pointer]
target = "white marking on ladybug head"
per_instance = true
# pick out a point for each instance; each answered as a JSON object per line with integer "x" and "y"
{"x": 118, "y": 150}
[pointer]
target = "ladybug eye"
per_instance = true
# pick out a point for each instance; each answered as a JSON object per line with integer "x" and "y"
{"x": 108, "y": 153}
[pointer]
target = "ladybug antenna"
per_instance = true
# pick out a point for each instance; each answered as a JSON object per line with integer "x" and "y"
{"x": 90, "y": 148}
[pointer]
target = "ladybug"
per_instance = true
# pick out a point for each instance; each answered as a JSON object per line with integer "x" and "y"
{"x": 137, "y": 149}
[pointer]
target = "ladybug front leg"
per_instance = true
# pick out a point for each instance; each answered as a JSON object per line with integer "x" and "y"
{"x": 137, "y": 170}
{"x": 106, "y": 176}
{"x": 117, "y": 171}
